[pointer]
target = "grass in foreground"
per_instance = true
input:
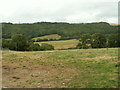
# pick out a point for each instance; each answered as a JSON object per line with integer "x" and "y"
{"x": 77, "y": 68}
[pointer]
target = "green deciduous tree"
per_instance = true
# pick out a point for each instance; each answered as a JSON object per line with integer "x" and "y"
{"x": 19, "y": 42}
{"x": 85, "y": 41}
{"x": 98, "y": 40}
{"x": 113, "y": 40}
{"x": 6, "y": 43}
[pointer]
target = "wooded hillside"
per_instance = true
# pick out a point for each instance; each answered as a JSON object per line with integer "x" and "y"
{"x": 65, "y": 30}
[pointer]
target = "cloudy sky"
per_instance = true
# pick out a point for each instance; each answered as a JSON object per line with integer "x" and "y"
{"x": 72, "y": 11}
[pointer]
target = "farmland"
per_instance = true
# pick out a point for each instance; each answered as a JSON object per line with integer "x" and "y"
{"x": 52, "y": 36}
{"x": 73, "y": 68}
{"x": 62, "y": 44}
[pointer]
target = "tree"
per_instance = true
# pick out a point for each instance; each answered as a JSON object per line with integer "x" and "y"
{"x": 19, "y": 42}
{"x": 84, "y": 41}
{"x": 98, "y": 40}
{"x": 113, "y": 40}
{"x": 6, "y": 43}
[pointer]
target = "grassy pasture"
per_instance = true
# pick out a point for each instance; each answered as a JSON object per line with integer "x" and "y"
{"x": 52, "y": 36}
{"x": 62, "y": 44}
{"x": 76, "y": 68}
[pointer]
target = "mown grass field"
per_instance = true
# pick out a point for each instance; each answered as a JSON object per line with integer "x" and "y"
{"x": 62, "y": 44}
{"x": 75, "y": 68}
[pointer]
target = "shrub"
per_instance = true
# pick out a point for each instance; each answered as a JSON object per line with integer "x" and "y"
{"x": 45, "y": 46}
{"x": 33, "y": 47}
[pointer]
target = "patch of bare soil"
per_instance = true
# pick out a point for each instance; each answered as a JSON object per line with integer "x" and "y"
{"x": 16, "y": 75}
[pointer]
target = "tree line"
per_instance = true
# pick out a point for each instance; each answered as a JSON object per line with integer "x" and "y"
{"x": 98, "y": 40}
{"x": 19, "y": 42}
{"x": 51, "y": 39}
{"x": 65, "y": 30}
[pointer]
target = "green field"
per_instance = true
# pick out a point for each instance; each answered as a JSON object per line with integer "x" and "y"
{"x": 62, "y": 44}
{"x": 52, "y": 36}
{"x": 75, "y": 68}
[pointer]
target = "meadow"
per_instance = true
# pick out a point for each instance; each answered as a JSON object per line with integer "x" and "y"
{"x": 62, "y": 44}
{"x": 52, "y": 36}
{"x": 73, "y": 68}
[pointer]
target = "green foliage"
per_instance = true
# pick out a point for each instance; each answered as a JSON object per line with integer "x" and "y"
{"x": 6, "y": 43}
{"x": 39, "y": 40}
{"x": 33, "y": 47}
{"x": 85, "y": 41}
{"x": 113, "y": 40}
{"x": 45, "y": 46}
{"x": 98, "y": 40}
{"x": 65, "y": 30}
{"x": 19, "y": 42}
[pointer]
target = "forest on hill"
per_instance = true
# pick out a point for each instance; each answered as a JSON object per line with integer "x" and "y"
{"x": 65, "y": 30}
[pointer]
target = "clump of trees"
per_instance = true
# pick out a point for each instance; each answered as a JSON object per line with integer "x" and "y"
{"x": 85, "y": 41}
{"x": 98, "y": 40}
{"x": 113, "y": 40}
{"x": 6, "y": 43}
{"x": 19, "y": 42}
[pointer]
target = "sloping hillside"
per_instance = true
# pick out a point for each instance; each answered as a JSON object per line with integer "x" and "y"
{"x": 65, "y": 30}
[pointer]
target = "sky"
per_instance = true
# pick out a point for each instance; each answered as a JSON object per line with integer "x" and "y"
{"x": 72, "y": 11}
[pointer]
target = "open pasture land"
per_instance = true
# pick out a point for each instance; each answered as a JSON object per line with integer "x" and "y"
{"x": 76, "y": 68}
{"x": 62, "y": 44}
{"x": 52, "y": 36}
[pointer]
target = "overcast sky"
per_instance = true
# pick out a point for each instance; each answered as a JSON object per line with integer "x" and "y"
{"x": 73, "y": 11}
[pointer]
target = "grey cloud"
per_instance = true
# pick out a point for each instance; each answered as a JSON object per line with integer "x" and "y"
{"x": 62, "y": 10}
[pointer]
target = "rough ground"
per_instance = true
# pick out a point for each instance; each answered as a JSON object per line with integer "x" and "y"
{"x": 84, "y": 68}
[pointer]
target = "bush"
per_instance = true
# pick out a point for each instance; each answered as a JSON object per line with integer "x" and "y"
{"x": 33, "y": 47}
{"x": 45, "y": 46}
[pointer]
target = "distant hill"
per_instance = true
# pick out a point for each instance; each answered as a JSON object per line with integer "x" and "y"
{"x": 65, "y": 30}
